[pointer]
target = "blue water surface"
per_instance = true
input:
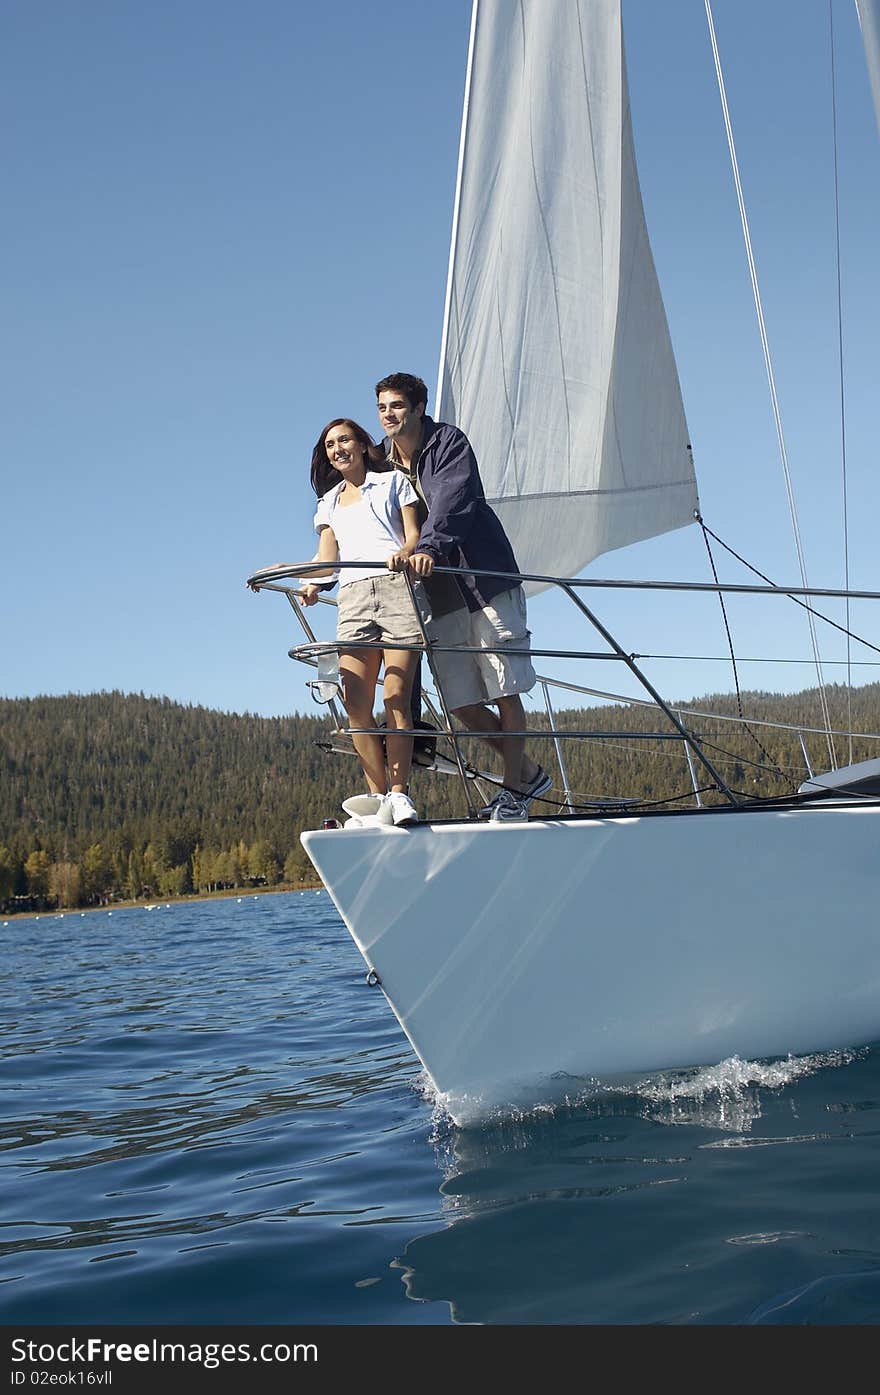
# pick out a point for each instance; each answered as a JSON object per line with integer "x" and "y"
{"x": 209, "y": 1117}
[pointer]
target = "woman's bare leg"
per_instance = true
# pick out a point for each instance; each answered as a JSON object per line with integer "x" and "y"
{"x": 359, "y": 670}
{"x": 400, "y": 668}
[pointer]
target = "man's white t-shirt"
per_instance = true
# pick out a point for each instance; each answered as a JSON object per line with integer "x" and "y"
{"x": 370, "y": 530}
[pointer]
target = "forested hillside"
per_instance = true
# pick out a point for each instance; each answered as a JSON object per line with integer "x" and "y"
{"x": 111, "y": 795}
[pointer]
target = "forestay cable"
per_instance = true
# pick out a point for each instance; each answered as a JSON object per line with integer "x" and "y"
{"x": 777, "y": 416}
{"x": 842, "y": 386}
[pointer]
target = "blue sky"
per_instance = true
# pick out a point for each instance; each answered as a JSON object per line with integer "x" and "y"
{"x": 223, "y": 222}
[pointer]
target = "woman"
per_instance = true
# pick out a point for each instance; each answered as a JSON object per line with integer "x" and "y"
{"x": 368, "y": 513}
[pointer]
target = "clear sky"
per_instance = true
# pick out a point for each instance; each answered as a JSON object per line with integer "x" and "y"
{"x": 223, "y": 222}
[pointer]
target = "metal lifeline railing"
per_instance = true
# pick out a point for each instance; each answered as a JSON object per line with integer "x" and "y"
{"x": 800, "y": 729}
{"x": 313, "y": 650}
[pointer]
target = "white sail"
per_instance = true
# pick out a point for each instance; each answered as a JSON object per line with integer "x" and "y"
{"x": 869, "y": 19}
{"x": 556, "y": 357}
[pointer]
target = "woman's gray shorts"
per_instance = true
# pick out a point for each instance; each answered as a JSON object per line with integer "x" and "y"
{"x": 378, "y": 610}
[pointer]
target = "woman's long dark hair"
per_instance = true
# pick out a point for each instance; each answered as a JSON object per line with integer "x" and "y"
{"x": 324, "y": 475}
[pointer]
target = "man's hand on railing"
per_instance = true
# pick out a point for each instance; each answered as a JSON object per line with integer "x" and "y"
{"x": 309, "y": 594}
{"x": 421, "y": 563}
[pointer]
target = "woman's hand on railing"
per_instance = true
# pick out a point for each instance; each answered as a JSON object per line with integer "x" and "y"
{"x": 397, "y": 562}
{"x": 308, "y": 595}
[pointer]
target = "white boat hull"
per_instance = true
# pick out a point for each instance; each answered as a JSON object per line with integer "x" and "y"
{"x": 523, "y": 960}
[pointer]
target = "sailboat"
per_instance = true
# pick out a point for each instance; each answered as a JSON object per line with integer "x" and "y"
{"x": 528, "y": 962}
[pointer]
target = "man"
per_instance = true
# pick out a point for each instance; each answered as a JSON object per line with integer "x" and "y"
{"x": 461, "y": 530}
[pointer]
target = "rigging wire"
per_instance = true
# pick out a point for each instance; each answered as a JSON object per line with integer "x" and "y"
{"x": 841, "y": 374}
{"x": 765, "y": 344}
{"x": 827, "y": 619}
{"x": 583, "y": 803}
{"x": 739, "y": 705}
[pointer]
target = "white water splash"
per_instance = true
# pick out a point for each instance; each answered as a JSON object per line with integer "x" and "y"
{"x": 726, "y": 1096}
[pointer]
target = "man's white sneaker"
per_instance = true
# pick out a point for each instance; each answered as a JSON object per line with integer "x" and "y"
{"x": 512, "y": 804}
{"x": 401, "y": 808}
{"x": 508, "y": 808}
{"x": 540, "y": 784}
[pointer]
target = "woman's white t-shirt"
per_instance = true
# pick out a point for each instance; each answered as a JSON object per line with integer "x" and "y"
{"x": 372, "y": 529}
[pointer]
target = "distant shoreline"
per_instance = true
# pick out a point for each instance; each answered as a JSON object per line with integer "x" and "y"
{"x": 238, "y": 891}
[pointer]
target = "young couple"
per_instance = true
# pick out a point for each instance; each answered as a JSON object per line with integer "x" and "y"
{"x": 417, "y": 505}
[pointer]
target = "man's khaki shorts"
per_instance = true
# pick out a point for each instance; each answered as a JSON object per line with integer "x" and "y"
{"x": 478, "y": 678}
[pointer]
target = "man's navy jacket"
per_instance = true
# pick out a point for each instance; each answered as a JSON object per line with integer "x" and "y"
{"x": 461, "y": 530}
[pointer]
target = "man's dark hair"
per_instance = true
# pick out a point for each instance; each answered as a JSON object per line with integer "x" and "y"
{"x": 413, "y": 388}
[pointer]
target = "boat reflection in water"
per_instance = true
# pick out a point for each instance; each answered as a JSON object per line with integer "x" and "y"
{"x": 605, "y": 1214}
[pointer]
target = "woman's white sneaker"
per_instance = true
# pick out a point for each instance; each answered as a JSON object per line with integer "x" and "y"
{"x": 401, "y": 808}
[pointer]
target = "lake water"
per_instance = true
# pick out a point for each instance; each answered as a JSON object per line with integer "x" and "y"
{"x": 211, "y": 1118}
